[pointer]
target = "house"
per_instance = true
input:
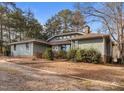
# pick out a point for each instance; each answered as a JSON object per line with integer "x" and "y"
{"x": 100, "y": 42}
{"x": 28, "y": 48}
{"x": 65, "y": 41}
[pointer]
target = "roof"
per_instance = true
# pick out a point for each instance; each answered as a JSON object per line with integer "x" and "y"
{"x": 86, "y": 36}
{"x": 67, "y": 41}
{"x": 60, "y": 42}
{"x": 69, "y": 33}
{"x": 28, "y": 41}
{"x": 91, "y": 36}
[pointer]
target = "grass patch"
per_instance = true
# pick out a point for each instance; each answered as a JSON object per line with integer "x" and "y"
{"x": 9, "y": 70}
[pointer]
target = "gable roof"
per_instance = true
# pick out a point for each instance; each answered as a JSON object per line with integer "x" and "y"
{"x": 63, "y": 34}
{"x": 29, "y": 41}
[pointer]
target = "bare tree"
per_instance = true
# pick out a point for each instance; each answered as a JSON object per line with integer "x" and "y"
{"x": 111, "y": 15}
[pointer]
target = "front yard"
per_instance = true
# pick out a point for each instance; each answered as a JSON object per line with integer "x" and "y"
{"x": 100, "y": 72}
{"x": 61, "y": 75}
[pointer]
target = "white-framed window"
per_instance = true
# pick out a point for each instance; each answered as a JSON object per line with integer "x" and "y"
{"x": 68, "y": 37}
{"x": 64, "y": 37}
{"x": 60, "y": 38}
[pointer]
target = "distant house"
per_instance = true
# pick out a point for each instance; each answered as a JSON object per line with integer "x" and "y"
{"x": 65, "y": 41}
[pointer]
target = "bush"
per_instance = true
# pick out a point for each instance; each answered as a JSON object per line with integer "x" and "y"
{"x": 78, "y": 55}
{"x": 84, "y": 55}
{"x": 48, "y": 54}
{"x": 94, "y": 56}
{"x": 71, "y": 54}
{"x": 62, "y": 54}
{"x": 55, "y": 54}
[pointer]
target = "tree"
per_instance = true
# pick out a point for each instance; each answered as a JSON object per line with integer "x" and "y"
{"x": 78, "y": 21}
{"x": 65, "y": 21}
{"x": 111, "y": 15}
{"x": 65, "y": 17}
{"x": 15, "y": 21}
{"x": 53, "y": 26}
{"x": 33, "y": 28}
{"x": 5, "y": 8}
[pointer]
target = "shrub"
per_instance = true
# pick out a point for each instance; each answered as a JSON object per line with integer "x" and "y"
{"x": 62, "y": 54}
{"x": 78, "y": 55}
{"x": 48, "y": 54}
{"x": 71, "y": 54}
{"x": 93, "y": 56}
{"x": 84, "y": 55}
{"x": 55, "y": 54}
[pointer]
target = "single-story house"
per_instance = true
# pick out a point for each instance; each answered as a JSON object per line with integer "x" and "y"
{"x": 65, "y": 41}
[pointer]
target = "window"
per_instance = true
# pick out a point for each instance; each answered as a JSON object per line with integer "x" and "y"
{"x": 64, "y": 37}
{"x": 60, "y": 38}
{"x": 14, "y": 47}
{"x": 27, "y": 46}
{"x": 68, "y": 36}
{"x": 63, "y": 47}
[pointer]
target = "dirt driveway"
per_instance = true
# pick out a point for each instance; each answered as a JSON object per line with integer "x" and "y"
{"x": 57, "y": 75}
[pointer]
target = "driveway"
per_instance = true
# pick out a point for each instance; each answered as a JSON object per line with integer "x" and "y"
{"x": 19, "y": 77}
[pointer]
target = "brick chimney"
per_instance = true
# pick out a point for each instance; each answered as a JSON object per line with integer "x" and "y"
{"x": 87, "y": 30}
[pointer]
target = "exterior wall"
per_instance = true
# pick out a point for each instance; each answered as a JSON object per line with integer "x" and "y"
{"x": 59, "y": 47}
{"x": 97, "y": 44}
{"x": 38, "y": 49}
{"x": 33, "y": 50}
{"x": 21, "y": 50}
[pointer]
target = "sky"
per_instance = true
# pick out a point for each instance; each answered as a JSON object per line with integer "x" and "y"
{"x": 45, "y": 10}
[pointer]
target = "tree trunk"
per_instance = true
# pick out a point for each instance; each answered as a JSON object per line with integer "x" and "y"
{"x": 9, "y": 35}
{"x": 1, "y": 34}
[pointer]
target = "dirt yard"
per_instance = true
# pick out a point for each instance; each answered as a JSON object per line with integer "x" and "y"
{"x": 62, "y": 75}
